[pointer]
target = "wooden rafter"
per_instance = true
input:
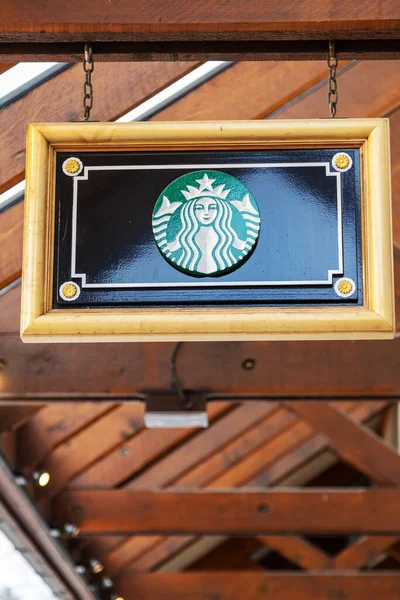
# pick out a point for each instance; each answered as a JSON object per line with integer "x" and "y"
{"x": 280, "y": 472}
{"x": 238, "y": 553}
{"x": 112, "y": 470}
{"x": 197, "y": 467}
{"x": 259, "y": 586}
{"x": 283, "y": 369}
{"x": 362, "y": 551}
{"x": 356, "y": 444}
{"x": 298, "y": 550}
{"x": 245, "y": 20}
{"x": 255, "y": 90}
{"x": 60, "y": 422}
{"x": 232, "y": 512}
{"x": 105, "y": 435}
{"x": 13, "y": 417}
{"x": 255, "y": 50}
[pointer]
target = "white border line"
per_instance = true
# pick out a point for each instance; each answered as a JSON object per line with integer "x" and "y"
{"x": 85, "y": 177}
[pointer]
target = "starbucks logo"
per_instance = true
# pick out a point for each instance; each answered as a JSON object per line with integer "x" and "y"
{"x": 206, "y": 223}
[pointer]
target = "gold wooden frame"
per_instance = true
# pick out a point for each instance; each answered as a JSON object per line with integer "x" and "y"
{"x": 40, "y": 323}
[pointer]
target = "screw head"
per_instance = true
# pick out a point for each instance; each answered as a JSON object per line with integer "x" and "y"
{"x": 263, "y": 508}
{"x": 248, "y": 364}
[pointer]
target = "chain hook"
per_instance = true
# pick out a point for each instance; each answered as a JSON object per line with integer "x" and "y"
{"x": 88, "y": 67}
{"x": 333, "y": 96}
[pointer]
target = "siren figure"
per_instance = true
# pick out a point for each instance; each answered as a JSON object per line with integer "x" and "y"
{"x": 206, "y": 236}
{"x": 203, "y": 237}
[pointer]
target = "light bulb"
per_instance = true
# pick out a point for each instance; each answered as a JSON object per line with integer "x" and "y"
{"x": 96, "y": 566}
{"x": 42, "y": 478}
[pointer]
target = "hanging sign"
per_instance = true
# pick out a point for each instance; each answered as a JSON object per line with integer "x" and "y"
{"x": 208, "y": 231}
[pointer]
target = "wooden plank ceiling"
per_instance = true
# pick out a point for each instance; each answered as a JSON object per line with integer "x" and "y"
{"x": 150, "y": 21}
{"x": 116, "y": 481}
{"x": 231, "y": 30}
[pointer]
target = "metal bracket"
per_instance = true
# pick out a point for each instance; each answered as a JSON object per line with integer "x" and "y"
{"x": 166, "y": 410}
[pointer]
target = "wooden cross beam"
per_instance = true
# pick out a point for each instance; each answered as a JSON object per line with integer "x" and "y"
{"x": 232, "y": 512}
{"x": 286, "y": 446}
{"x": 259, "y": 586}
{"x": 169, "y": 51}
{"x": 358, "y": 445}
{"x": 178, "y": 30}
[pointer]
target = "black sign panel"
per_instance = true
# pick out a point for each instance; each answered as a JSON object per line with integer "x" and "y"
{"x": 212, "y": 227}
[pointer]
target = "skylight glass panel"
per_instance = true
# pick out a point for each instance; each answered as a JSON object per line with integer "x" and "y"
{"x": 18, "y": 579}
{"x": 23, "y": 77}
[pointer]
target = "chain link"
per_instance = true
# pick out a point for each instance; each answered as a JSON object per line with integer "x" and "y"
{"x": 332, "y": 86}
{"x": 88, "y": 67}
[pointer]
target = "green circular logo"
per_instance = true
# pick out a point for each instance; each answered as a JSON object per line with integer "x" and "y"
{"x": 206, "y": 223}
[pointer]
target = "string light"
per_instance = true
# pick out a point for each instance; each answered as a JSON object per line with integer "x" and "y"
{"x": 20, "y": 479}
{"x": 107, "y": 583}
{"x": 54, "y": 532}
{"x": 42, "y": 478}
{"x": 81, "y": 569}
{"x": 96, "y": 566}
{"x": 71, "y": 529}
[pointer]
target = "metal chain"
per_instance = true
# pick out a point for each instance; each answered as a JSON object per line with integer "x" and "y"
{"x": 332, "y": 88}
{"x": 88, "y": 67}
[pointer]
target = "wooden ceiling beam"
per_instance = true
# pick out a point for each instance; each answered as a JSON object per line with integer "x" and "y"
{"x": 259, "y": 586}
{"x": 306, "y": 465}
{"x": 186, "y": 469}
{"x": 232, "y": 512}
{"x": 176, "y": 20}
{"x": 172, "y": 50}
{"x": 297, "y": 466}
{"x": 368, "y": 370}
